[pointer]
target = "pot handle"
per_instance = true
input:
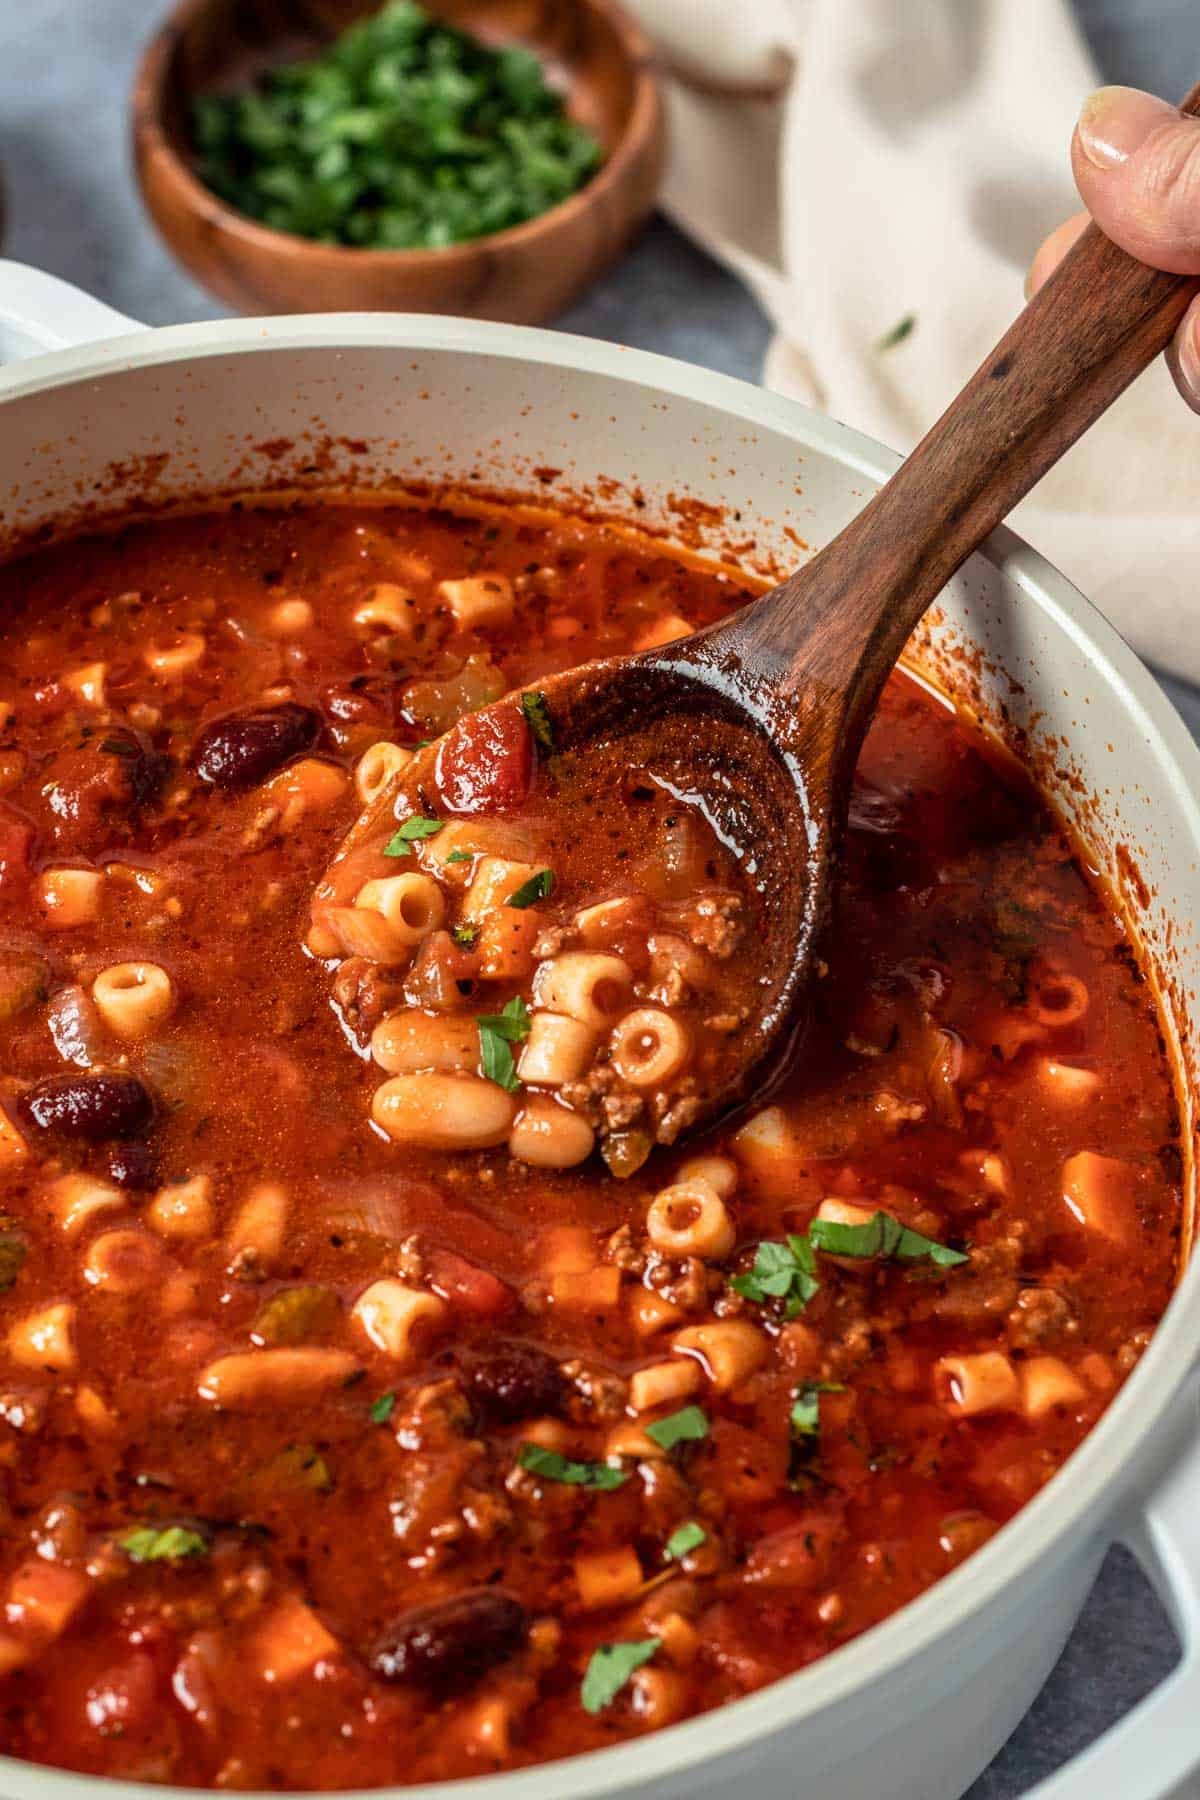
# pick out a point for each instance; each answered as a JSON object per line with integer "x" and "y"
{"x": 1154, "y": 1752}
{"x": 38, "y": 313}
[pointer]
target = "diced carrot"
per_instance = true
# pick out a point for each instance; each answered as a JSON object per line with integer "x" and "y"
{"x": 591, "y": 1291}
{"x": 606, "y": 1577}
{"x": 291, "y": 1641}
{"x": 44, "y": 1597}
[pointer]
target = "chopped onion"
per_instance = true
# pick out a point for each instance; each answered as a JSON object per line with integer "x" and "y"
{"x": 75, "y": 1027}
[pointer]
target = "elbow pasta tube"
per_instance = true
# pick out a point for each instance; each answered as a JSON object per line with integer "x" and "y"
{"x": 1066, "y": 1082}
{"x": 439, "y": 1111}
{"x": 45, "y": 1340}
{"x": 133, "y": 997}
{"x": 407, "y": 1042}
{"x": 249, "y": 1379}
{"x": 396, "y": 1318}
{"x": 478, "y": 600}
{"x": 556, "y": 1051}
{"x": 730, "y": 1349}
{"x": 124, "y": 1261}
{"x": 1048, "y": 1382}
{"x": 494, "y": 882}
{"x": 184, "y": 1210}
{"x": 77, "y": 1198}
{"x": 378, "y": 765}
{"x": 260, "y": 1225}
{"x": 585, "y": 986}
{"x": 690, "y": 1219}
{"x": 720, "y": 1172}
{"x": 1059, "y": 999}
{"x": 1098, "y": 1192}
{"x": 412, "y": 904}
{"x": 550, "y": 1136}
{"x": 983, "y": 1383}
{"x": 289, "y": 618}
{"x": 169, "y": 661}
{"x": 387, "y": 607}
{"x": 649, "y": 1047}
{"x": 662, "y": 1384}
{"x": 70, "y": 897}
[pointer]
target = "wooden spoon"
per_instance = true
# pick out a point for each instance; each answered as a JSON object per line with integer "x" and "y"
{"x": 760, "y": 718}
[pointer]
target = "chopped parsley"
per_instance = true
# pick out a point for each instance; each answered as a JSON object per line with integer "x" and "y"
{"x": 902, "y": 329}
{"x": 610, "y": 1668}
{"x": 806, "y": 1407}
{"x": 382, "y": 1409}
{"x": 172, "y": 1544}
{"x": 787, "y": 1271}
{"x": 684, "y": 1538}
{"x": 682, "y": 1427}
{"x": 538, "y": 887}
{"x": 553, "y": 1467}
{"x": 466, "y": 936}
{"x": 402, "y": 842}
{"x": 533, "y": 705}
{"x": 784, "y": 1272}
{"x": 882, "y": 1235}
{"x": 457, "y": 856}
{"x": 497, "y": 1033}
{"x": 402, "y": 134}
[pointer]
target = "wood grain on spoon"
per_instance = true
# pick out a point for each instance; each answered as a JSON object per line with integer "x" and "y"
{"x": 761, "y": 717}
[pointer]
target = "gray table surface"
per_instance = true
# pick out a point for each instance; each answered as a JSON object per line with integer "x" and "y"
{"x": 65, "y": 68}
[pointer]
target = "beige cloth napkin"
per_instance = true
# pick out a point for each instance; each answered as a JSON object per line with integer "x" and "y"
{"x": 859, "y": 162}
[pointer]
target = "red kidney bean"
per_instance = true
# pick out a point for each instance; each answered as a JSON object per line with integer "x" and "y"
{"x": 89, "y": 1108}
{"x": 514, "y": 1381}
{"x": 243, "y": 748}
{"x": 450, "y": 1643}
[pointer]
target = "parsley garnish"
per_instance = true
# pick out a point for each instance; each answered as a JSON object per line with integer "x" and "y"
{"x": 497, "y": 1031}
{"x": 381, "y": 1410}
{"x": 806, "y": 1406}
{"x": 533, "y": 705}
{"x": 538, "y": 887}
{"x": 610, "y": 1668}
{"x": 684, "y": 1426}
{"x": 900, "y": 330}
{"x": 684, "y": 1538}
{"x": 171, "y": 1544}
{"x": 466, "y": 935}
{"x": 784, "y": 1272}
{"x": 882, "y": 1235}
{"x": 402, "y": 134}
{"x": 548, "y": 1463}
{"x": 412, "y": 829}
{"x": 459, "y": 856}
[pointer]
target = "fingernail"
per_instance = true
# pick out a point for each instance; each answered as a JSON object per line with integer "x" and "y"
{"x": 1116, "y": 121}
{"x": 1186, "y": 359}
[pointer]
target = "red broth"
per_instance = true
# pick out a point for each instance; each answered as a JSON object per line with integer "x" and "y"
{"x": 331, "y": 1461}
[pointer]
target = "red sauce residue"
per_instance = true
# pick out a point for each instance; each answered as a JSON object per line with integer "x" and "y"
{"x": 984, "y": 1066}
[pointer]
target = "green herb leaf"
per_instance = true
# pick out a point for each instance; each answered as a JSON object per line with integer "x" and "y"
{"x": 171, "y": 1544}
{"x": 900, "y": 330}
{"x": 533, "y": 705}
{"x": 610, "y": 1668}
{"x": 466, "y": 935}
{"x": 806, "y": 1406}
{"x": 403, "y": 134}
{"x": 882, "y": 1235}
{"x": 684, "y": 1538}
{"x": 685, "y": 1426}
{"x": 781, "y": 1272}
{"x": 496, "y": 1032}
{"x": 411, "y": 830}
{"x": 538, "y": 887}
{"x": 553, "y": 1467}
{"x": 382, "y": 1409}
{"x": 457, "y": 856}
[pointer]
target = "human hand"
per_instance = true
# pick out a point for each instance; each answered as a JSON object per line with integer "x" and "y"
{"x": 1137, "y": 167}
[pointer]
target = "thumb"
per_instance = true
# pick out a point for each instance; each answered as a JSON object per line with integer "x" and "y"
{"x": 1137, "y": 167}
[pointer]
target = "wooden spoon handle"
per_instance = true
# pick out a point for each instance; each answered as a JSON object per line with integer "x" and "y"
{"x": 1097, "y": 323}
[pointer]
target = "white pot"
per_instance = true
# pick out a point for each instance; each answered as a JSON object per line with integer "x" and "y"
{"x": 116, "y": 415}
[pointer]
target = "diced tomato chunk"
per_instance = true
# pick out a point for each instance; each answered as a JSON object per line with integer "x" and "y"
{"x": 16, "y": 842}
{"x": 125, "y": 1698}
{"x": 799, "y": 1557}
{"x": 486, "y": 763}
{"x": 469, "y": 1286}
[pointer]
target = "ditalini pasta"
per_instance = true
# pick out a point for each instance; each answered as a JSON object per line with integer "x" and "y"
{"x": 393, "y": 1388}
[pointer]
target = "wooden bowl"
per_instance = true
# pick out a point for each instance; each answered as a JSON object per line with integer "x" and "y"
{"x": 524, "y": 275}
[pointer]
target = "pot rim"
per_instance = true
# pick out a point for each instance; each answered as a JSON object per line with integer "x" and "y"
{"x": 1099, "y": 1477}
